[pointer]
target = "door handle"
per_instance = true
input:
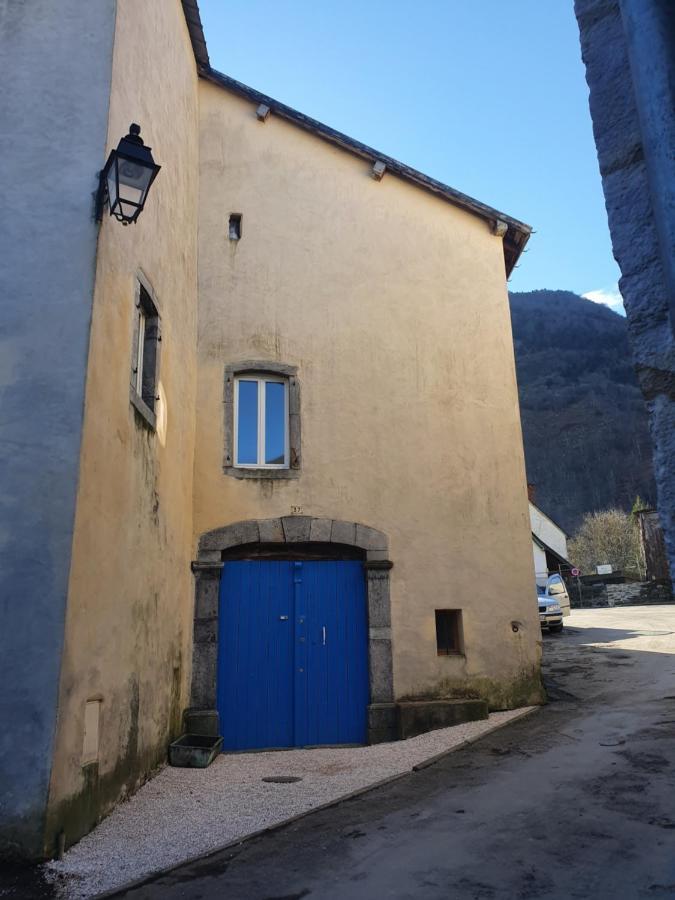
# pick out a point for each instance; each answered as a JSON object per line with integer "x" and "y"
{"x": 324, "y": 635}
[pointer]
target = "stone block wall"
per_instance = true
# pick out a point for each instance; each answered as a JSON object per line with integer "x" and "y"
{"x": 623, "y": 594}
{"x": 628, "y": 47}
{"x": 641, "y": 593}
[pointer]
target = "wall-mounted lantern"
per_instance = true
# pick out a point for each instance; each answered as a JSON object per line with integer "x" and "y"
{"x": 126, "y": 179}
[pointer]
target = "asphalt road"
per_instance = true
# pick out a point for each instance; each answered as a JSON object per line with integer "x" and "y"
{"x": 577, "y": 800}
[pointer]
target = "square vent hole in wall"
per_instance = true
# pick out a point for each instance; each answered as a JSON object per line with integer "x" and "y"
{"x": 449, "y": 637}
{"x": 234, "y": 230}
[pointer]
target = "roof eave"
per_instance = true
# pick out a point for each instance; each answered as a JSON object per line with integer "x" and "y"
{"x": 544, "y": 546}
{"x": 194, "y": 24}
{"x": 552, "y": 521}
{"x": 517, "y": 233}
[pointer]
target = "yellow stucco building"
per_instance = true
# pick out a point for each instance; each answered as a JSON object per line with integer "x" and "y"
{"x": 300, "y": 513}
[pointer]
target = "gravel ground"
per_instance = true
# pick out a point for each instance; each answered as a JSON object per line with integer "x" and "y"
{"x": 576, "y": 801}
{"x": 183, "y": 814}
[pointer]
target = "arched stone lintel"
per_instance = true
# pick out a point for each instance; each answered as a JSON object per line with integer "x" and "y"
{"x": 292, "y": 529}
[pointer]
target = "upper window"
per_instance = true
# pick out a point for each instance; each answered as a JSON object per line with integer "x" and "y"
{"x": 145, "y": 362}
{"x": 261, "y": 421}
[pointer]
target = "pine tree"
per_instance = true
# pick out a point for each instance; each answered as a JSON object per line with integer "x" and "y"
{"x": 638, "y": 505}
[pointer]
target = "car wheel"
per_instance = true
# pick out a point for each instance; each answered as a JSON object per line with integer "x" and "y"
{"x": 555, "y": 629}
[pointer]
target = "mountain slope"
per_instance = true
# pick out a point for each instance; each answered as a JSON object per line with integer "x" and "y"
{"x": 584, "y": 421}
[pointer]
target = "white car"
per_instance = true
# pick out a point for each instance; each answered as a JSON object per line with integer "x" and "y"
{"x": 556, "y": 588}
{"x": 550, "y": 612}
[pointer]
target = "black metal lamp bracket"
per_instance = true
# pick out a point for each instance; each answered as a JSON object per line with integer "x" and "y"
{"x": 101, "y": 196}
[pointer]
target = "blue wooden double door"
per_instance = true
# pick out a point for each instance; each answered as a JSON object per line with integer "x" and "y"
{"x": 292, "y": 654}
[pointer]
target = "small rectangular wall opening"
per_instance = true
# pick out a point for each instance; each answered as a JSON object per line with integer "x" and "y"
{"x": 90, "y": 743}
{"x": 234, "y": 229}
{"x": 449, "y": 636}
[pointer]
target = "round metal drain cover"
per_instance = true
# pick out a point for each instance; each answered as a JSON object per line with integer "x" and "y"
{"x": 282, "y": 779}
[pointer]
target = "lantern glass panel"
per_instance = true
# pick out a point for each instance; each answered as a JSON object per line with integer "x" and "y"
{"x": 112, "y": 185}
{"x": 134, "y": 180}
{"x": 128, "y": 210}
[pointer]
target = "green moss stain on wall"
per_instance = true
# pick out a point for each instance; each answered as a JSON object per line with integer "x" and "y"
{"x": 526, "y": 689}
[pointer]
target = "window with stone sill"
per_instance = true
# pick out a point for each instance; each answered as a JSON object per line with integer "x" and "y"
{"x": 262, "y": 420}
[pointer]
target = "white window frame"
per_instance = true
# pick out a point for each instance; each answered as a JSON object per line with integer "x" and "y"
{"x": 261, "y": 379}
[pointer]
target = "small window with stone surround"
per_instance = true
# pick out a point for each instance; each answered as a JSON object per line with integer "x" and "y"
{"x": 449, "y": 637}
{"x": 262, "y": 420}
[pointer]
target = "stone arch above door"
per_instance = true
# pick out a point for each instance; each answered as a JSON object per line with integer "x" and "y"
{"x": 293, "y": 529}
{"x": 290, "y": 530}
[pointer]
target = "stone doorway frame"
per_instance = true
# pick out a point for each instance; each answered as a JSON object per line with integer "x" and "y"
{"x": 202, "y": 716}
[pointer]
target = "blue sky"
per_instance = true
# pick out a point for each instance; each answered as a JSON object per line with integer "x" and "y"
{"x": 488, "y": 96}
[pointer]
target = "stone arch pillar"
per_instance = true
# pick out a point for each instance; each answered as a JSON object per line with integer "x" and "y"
{"x": 289, "y": 530}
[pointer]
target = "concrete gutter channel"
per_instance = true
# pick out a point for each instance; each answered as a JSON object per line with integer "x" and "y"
{"x": 155, "y": 822}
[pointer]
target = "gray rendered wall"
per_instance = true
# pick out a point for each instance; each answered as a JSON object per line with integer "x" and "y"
{"x": 56, "y": 60}
{"x": 628, "y": 47}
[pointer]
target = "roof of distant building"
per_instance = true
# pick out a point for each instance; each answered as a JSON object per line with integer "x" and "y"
{"x": 554, "y": 553}
{"x": 546, "y": 516}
